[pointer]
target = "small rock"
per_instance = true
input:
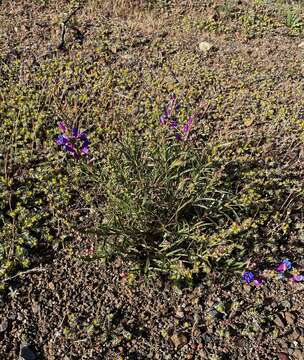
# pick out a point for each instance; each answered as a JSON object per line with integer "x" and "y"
{"x": 301, "y": 340}
{"x": 286, "y": 304}
{"x": 204, "y": 46}
{"x": 284, "y": 345}
{"x": 274, "y": 305}
{"x": 26, "y": 353}
{"x": 206, "y": 338}
{"x": 283, "y": 356}
{"x": 179, "y": 340}
{"x": 278, "y": 321}
{"x": 3, "y": 325}
{"x": 298, "y": 354}
{"x": 12, "y": 316}
{"x": 20, "y": 317}
{"x": 295, "y": 334}
{"x": 203, "y": 355}
{"x": 51, "y": 285}
{"x": 118, "y": 262}
{"x": 194, "y": 346}
{"x": 180, "y": 314}
{"x": 276, "y": 333}
{"x": 35, "y": 307}
{"x": 301, "y": 45}
{"x": 290, "y": 318}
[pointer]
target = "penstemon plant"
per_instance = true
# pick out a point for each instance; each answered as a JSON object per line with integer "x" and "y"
{"x": 162, "y": 198}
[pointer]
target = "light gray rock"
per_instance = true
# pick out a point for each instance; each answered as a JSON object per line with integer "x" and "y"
{"x": 205, "y": 46}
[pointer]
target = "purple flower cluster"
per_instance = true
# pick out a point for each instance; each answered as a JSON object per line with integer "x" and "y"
{"x": 283, "y": 268}
{"x": 248, "y": 277}
{"x": 76, "y": 143}
{"x": 169, "y": 118}
{"x": 284, "y": 265}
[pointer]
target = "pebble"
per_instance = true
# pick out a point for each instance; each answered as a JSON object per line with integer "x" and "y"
{"x": 12, "y": 316}
{"x": 179, "y": 313}
{"x": 20, "y": 317}
{"x": 286, "y": 304}
{"x": 3, "y": 325}
{"x": 179, "y": 340}
{"x": 35, "y": 307}
{"x": 294, "y": 335}
{"x": 278, "y": 321}
{"x": 204, "y": 46}
{"x": 203, "y": 355}
{"x": 298, "y": 354}
{"x": 301, "y": 339}
{"x": 284, "y": 345}
{"x": 290, "y": 318}
{"x": 206, "y": 338}
{"x": 51, "y": 286}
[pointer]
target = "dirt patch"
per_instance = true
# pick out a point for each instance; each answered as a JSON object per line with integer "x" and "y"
{"x": 78, "y": 309}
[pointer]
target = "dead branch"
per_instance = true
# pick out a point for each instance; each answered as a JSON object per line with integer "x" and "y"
{"x": 63, "y": 24}
{"x": 24, "y": 273}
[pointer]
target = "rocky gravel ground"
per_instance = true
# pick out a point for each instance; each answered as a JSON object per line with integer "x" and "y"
{"x": 74, "y": 309}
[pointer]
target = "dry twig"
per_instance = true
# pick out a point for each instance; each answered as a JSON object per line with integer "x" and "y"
{"x": 24, "y": 273}
{"x": 63, "y": 24}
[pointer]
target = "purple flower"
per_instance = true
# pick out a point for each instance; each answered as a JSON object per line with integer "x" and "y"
{"x": 258, "y": 282}
{"x": 70, "y": 149}
{"x": 297, "y": 278}
{"x": 173, "y": 124}
{"x": 75, "y": 132}
{"x": 62, "y": 139}
{"x": 85, "y": 147}
{"x": 163, "y": 119}
{"x": 187, "y": 126}
{"x": 72, "y": 144}
{"x": 62, "y": 126}
{"x": 83, "y": 136}
{"x": 172, "y": 106}
{"x": 84, "y": 150}
{"x": 178, "y": 137}
{"x": 170, "y": 118}
{"x": 248, "y": 276}
{"x": 284, "y": 265}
